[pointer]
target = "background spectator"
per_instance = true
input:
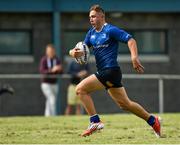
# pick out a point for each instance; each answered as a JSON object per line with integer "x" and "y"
{"x": 50, "y": 65}
{"x": 77, "y": 73}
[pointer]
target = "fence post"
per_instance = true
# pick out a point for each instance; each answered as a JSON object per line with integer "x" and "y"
{"x": 161, "y": 95}
{"x": 56, "y": 41}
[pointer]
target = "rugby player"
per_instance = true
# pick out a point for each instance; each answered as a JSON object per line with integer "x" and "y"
{"x": 104, "y": 38}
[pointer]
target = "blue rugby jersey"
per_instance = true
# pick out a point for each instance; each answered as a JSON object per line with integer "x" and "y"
{"x": 105, "y": 44}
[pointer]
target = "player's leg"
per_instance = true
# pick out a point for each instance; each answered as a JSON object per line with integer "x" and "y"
{"x": 78, "y": 105}
{"x": 83, "y": 89}
{"x": 121, "y": 98}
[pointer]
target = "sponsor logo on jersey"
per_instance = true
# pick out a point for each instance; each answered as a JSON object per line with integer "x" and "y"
{"x": 102, "y": 46}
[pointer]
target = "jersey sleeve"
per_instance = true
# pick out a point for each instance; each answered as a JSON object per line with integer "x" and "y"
{"x": 119, "y": 34}
{"x": 87, "y": 39}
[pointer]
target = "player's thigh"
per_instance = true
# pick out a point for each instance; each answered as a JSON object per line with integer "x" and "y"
{"x": 90, "y": 84}
{"x": 119, "y": 94}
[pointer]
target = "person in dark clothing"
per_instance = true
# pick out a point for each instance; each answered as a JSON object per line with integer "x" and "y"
{"x": 77, "y": 73}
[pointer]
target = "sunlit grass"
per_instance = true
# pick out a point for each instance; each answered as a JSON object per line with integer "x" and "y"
{"x": 119, "y": 129}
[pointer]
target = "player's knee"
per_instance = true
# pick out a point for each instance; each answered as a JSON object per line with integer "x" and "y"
{"x": 80, "y": 91}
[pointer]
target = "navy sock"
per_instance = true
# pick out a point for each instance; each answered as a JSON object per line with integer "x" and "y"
{"x": 95, "y": 118}
{"x": 151, "y": 120}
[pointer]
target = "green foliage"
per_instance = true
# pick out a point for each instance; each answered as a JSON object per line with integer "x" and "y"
{"x": 119, "y": 129}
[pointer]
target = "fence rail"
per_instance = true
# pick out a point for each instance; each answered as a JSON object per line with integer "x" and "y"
{"x": 126, "y": 76}
{"x": 159, "y": 77}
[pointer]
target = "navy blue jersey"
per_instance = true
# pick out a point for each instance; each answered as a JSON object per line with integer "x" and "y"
{"x": 105, "y": 44}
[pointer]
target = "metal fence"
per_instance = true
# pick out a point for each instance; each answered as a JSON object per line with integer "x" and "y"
{"x": 159, "y": 77}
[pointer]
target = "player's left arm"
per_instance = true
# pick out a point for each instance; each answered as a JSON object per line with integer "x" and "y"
{"x": 134, "y": 55}
{"x": 123, "y": 36}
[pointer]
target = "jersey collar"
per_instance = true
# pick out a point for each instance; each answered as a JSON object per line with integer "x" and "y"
{"x": 101, "y": 27}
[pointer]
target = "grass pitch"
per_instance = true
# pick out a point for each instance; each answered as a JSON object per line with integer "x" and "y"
{"x": 119, "y": 129}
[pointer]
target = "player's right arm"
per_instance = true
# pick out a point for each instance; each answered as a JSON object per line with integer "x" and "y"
{"x": 75, "y": 52}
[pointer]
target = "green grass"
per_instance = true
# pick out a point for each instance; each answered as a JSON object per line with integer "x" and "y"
{"x": 119, "y": 129}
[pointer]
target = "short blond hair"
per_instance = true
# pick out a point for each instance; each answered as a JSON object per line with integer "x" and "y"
{"x": 97, "y": 8}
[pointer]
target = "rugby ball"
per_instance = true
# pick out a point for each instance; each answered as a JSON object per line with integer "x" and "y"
{"x": 85, "y": 57}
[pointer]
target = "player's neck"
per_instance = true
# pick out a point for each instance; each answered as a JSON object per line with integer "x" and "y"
{"x": 98, "y": 29}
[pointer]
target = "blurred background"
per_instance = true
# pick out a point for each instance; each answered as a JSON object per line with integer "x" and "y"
{"x": 27, "y": 26}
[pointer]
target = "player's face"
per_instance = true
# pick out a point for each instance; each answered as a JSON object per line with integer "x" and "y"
{"x": 50, "y": 52}
{"x": 96, "y": 19}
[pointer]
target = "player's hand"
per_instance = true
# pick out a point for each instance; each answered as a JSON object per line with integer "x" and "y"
{"x": 76, "y": 52}
{"x": 137, "y": 65}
